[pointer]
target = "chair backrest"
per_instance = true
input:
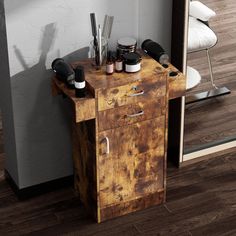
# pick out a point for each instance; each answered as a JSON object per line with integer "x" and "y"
{"x": 200, "y": 11}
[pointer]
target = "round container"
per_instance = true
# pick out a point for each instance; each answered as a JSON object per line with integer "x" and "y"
{"x": 126, "y": 45}
{"x": 132, "y": 62}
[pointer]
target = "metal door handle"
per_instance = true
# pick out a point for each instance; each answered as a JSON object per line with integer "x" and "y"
{"x": 108, "y": 145}
{"x": 136, "y": 94}
{"x": 140, "y": 113}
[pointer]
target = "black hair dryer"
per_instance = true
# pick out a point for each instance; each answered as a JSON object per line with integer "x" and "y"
{"x": 155, "y": 51}
{"x": 64, "y": 72}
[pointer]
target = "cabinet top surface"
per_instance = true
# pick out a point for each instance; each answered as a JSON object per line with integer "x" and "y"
{"x": 98, "y": 79}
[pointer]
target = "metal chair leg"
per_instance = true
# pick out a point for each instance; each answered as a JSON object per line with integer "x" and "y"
{"x": 214, "y": 92}
{"x": 210, "y": 69}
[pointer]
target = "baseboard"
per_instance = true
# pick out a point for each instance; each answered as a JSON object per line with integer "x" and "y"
{"x": 210, "y": 150}
{"x": 36, "y": 190}
{"x": 209, "y": 145}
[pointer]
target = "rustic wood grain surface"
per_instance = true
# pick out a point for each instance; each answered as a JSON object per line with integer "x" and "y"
{"x": 177, "y": 84}
{"x": 118, "y": 117}
{"x": 84, "y": 159}
{"x": 97, "y": 79}
{"x": 84, "y": 108}
{"x": 145, "y": 89}
{"x": 123, "y": 168}
{"x": 135, "y": 166}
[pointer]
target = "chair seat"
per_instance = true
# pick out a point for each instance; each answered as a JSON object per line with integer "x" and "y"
{"x": 193, "y": 78}
{"x": 200, "y": 36}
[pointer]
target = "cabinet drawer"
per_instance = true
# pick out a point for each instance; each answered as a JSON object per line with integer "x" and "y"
{"x": 139, "y": 91}
{"x": 131, "y": 161}
{"x": 130, "y": 114}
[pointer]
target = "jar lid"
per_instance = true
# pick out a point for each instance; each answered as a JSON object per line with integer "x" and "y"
{"x": 132, "y": 58}
{"x": 127, "y": 42}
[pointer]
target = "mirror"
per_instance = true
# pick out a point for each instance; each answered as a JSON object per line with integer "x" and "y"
{"x": 210, "y": 102}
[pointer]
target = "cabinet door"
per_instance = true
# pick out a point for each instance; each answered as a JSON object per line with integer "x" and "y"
{"x": 131, "y": 161}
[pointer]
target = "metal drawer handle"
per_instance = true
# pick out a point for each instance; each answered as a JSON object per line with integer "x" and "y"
{"x": 108, "y": 145}
{"x": 137, "y": 94}
{"x": 140, "y": 113}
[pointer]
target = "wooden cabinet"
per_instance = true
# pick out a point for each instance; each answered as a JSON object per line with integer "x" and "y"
{"x": 131, "y": 161}
{"x": 119, "y": 146}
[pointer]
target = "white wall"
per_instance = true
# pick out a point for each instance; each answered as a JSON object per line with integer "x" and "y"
{"x": 155, "y": 19}
{"x": 71, "y": 23}
{"x": 39, "y": 31}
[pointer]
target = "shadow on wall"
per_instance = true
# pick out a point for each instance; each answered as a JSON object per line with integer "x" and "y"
{"x": 42, "y": 122}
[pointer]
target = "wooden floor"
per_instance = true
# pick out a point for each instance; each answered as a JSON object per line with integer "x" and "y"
{"x": 215, "y": 119}
{"x": 201, "y": 200}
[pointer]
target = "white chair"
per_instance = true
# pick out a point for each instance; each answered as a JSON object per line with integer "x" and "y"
{"x": 201, "y": 37}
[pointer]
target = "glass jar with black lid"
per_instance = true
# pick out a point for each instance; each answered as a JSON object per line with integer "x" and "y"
{"x": 126, "y": 45}
{"x": 132, "y": 62}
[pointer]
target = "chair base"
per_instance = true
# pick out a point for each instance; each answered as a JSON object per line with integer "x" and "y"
{"x": 193, "y": 78}
{"x": 207, "y": 95}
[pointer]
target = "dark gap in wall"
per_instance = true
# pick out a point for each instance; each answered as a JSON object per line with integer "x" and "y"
{"x": 1, "y": 149}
